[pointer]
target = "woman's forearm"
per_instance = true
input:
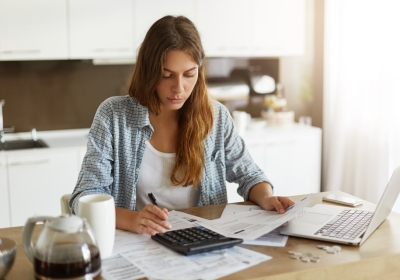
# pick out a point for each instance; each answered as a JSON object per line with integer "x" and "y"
{"x": 259, "y": 192}
{"x": 125, "y": 219}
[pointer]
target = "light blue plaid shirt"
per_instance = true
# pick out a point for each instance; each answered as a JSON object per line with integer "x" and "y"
{"x": 116, "y": 146}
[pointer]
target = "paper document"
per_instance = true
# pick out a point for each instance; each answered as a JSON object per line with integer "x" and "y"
{"x": 273, "y": 238}
{"x": 253, "y": 224}
{"x": 180, "y": 220}
{"x": 118, "y": 268}
{"x": 231, "y": 209}
{"x": 137, "y": 255}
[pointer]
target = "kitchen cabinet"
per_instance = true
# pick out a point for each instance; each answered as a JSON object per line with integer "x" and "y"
{"x": 251, "y": 28}
{"x": 32, "y": 181}
{"x": 33, "y": 30}
{"x": 37, "y": 179}
{"x": 278, "y": 27}
{"x": 101, "y": 29}
{"x": 235, "y": 28}
{"x": 4, "y": 206}
{"x": 106, "y": 29}
{"x": 147, "y": 12}
{"x": 290, "y": 156}
{"x": 224, "y": 26}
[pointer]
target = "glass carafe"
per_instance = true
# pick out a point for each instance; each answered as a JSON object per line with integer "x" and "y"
{"x": 66, "y": 248}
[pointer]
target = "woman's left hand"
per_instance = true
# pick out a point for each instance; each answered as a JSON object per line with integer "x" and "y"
{"x": 278, "y": 203}
{"x": 261, "y": 194}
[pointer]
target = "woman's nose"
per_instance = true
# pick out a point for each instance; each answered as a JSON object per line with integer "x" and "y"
{"x": 178, "y": 85}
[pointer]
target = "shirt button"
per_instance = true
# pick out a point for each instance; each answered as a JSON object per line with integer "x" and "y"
{"x": 137, "y": 169}
{"x": 134, "y": 197}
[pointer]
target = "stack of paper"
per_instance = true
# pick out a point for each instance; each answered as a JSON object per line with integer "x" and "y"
{"x": 137, "y": 256}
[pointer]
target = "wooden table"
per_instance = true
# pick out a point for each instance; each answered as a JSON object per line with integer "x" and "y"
{"x": 377, "y": 258}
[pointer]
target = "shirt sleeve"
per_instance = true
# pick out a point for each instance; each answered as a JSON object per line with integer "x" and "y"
{"x": 240, "y": 167}
{"x": 95, "y": 175}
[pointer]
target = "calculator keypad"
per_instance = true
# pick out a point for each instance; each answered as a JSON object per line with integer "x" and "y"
{"x": 195, "y": 240}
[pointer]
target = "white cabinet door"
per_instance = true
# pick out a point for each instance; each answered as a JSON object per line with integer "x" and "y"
{"x": 101, "y": 29}
{"x": 37, "y": 180}
{"x": 32, "y": 30}
{"x": 290, "y": 156}
{"x": 252, "y": 28}
{"x": 231, "y": 191}
{"x": 4, "y": 206}
{"x": 224, "y": 26}
{"x": 278, "y": 27}
{"x": 148, "y": 11}
{"x": 293, "y": 160}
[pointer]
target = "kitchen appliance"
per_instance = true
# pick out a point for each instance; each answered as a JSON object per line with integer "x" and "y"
{"x": 260, "y": 84}
{"x": 66, "y": 248}
{"x": 234, "y": 94}
{"x": 228, "y": 89}
{"x": 259, "y": 81}
{"x": 244, "y": 87}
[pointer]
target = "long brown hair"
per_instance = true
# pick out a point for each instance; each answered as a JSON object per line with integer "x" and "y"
{"x": 196, "y": 115}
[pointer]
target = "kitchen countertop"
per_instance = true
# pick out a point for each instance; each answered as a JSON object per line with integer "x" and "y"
{"x": 77, "y": 138}
{"x": 54, "y": 138}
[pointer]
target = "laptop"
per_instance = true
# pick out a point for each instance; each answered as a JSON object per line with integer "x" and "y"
{"x": 343, "y": 225}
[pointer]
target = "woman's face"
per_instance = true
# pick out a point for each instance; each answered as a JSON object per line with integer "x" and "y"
{"x": 180, "y": 75}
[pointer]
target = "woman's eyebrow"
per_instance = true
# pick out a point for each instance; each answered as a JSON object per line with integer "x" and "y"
{"x": 168, "y": 70}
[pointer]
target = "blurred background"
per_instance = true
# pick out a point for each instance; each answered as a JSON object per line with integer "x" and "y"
{"x": 333, "y": 61}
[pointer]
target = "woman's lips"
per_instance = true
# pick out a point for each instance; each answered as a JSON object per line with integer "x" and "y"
{"x": 175, "y": 100}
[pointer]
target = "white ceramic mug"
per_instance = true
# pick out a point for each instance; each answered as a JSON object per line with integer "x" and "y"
{"x": 99, "y": 211}
{"x": 305, "y": 120}
{"x": 241, "y": 120}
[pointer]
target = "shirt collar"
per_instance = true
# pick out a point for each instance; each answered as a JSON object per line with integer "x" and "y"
{"x": 140, "y": 114}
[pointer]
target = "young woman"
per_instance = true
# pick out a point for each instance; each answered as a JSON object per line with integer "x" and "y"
{"x": 168, "y": 138}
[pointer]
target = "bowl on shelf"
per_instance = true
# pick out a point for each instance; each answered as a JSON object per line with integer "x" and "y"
{"x": 8, "y": 249}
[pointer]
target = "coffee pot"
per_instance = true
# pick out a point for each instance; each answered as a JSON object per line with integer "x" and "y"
{"x": 66, "y": 248}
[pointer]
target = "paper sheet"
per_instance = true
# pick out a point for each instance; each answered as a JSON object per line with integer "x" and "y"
{"x": 252, "y": 224}
{"x": 180, "y": 220}
{"x": 118, "y": 268}
{"x": 273, "y": 238}
{"x": 136, "y": 256}
{"x": 231, "y": 209}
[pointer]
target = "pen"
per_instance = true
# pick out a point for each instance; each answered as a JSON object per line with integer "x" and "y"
{"x": 152, "y": 198}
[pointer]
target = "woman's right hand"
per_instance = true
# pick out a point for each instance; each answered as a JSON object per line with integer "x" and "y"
{"x": 152, "y": 220}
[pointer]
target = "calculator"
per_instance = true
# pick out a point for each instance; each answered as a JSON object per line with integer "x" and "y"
{"x": 195, "y": 240}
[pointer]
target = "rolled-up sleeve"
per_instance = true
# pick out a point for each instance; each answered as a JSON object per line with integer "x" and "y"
{"x": 95, "y": 175}
{"x": 240, "y": 167}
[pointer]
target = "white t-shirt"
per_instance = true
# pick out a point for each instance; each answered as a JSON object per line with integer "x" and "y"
{"x": 155, "y": 177}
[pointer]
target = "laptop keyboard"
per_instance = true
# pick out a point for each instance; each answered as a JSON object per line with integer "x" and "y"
{"x": 195, "y": 240}
{"x": 347, "y": 225}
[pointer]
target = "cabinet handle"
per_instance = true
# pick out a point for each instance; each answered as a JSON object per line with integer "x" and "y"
{"x": 267, "y": 144}
{"x": 282, "y": 143}
{"x": 256, "y": 145}
{"x": 29, "y": 162}
{"x": 20, "y": 51}
{"x": 119, "y": 50}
